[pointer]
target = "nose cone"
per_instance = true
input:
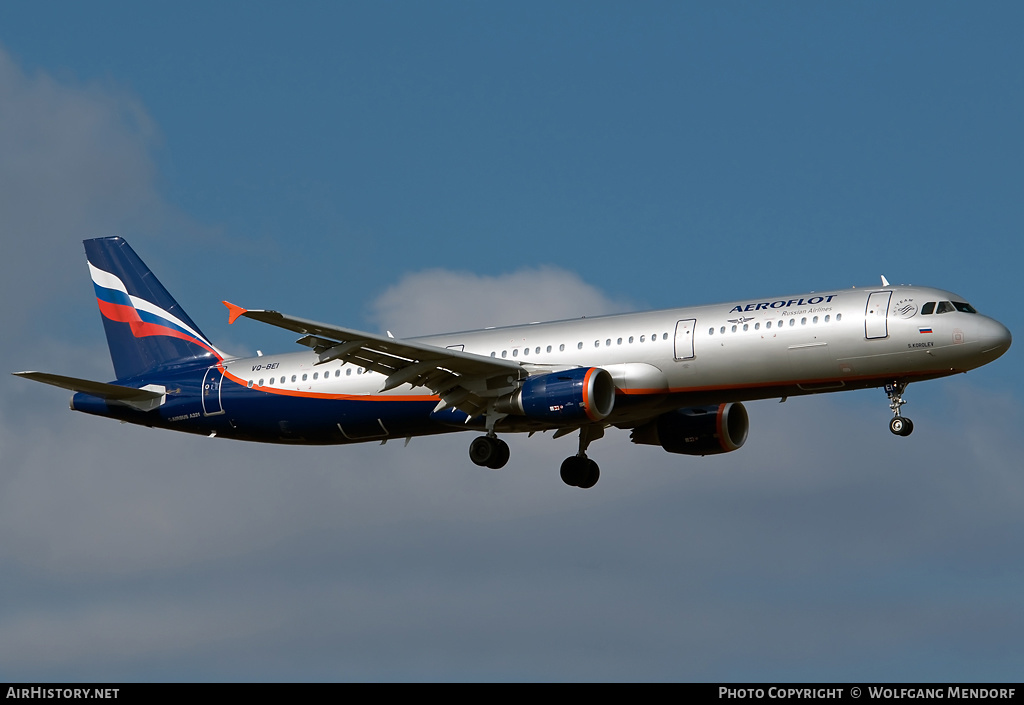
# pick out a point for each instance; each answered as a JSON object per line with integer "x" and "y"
{"x": 995, "y": 339}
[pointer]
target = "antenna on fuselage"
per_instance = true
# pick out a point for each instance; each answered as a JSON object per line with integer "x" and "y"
{"x": 885, "y": 282}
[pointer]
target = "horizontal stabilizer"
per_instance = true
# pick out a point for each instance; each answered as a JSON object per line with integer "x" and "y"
{"x": 113, "y": 392}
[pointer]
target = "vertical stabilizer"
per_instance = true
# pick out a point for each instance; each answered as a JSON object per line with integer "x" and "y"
{"x": 146, "y": 328}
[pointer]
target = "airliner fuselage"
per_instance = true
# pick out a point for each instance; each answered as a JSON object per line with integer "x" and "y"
{"x": 674, "y": 376}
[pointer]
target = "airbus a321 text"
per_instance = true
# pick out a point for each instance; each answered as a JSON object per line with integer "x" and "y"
{"x": 676, "y": 378}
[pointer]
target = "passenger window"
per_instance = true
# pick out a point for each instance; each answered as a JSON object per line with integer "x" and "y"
{"x": 664, "y": 336}
{"x": 757, "y": 326}
{"x": 271, "y": 381}
{"x": 561, "y": 348}
{"x": 928, "y": 309}
{"x": 826, "y": 318}
{"x": 349, "y": 372}
{"x": 579, "y": 345}
{"x": 644, "y": 337}
{"x": 746, "y": 327}
{"x": 792, "y": 321}
{"x": 630, "y": 340}
{"x": 711, "y": 331}
{"x": 803, "y": 321}
{"x": 316, "y": 375}
{"x": 303, "y": 378}
{"x": 619, "y": 341}
{"x": 526, "y": 351}
{"x": 734, "y": 329}
{"x": 504, "y": 353}
{"x": 260, "y": 383}
{"x": 608, "y": 342}
{"x": 537, "y": 351}
{"x": 548, "y": 349}
{"x": 249, "y": 385}
{"x": 293, "y": 378}
{"x": 515, "y": 353}
{"x": 839, "y": 317}
{"x": 768, "y": 324}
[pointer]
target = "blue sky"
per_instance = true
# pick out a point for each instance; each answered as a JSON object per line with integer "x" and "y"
{"x": 409, "y": 165}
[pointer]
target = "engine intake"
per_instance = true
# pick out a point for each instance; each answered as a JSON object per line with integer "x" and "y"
{"x": 579, "y": 393}
{"x": 703, "y": 430}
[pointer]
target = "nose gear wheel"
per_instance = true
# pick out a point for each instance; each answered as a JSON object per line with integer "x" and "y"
{"x": 899, "y": 425}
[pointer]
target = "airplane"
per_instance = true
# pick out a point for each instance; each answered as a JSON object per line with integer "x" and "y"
{"x": 676, "y": 378}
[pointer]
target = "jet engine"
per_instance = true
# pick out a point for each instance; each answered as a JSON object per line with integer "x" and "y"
{"x": 703, "y": 430}
{"x": 579, "y": 393}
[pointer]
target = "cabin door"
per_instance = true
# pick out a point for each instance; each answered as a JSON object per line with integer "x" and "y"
{"x": 684, "y": 339}
{"x": 211, "y": 392}
{"x": 875, "y": 315}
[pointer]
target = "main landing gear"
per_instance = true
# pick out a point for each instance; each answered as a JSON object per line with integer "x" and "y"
{"x": 489, "y": 452}
{"x": 899, "y": 425}
{"x": 579, "y": 470}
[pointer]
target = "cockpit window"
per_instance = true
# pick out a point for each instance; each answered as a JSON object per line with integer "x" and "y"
{"x": 945, "y": 307}
{"x": 964, "y": 307}
{"x": 928, "y": 309}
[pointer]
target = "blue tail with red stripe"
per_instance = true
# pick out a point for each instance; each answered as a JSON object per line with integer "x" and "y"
{"x": 146, "y": 328}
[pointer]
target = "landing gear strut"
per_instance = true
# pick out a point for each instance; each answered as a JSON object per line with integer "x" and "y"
{"x": 579, "y": 470}
{"x": 899, "y": 425}
{"x": 489, "y": 452}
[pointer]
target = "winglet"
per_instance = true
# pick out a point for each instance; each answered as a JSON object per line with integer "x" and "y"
{"x": 885, "y": 282}
{"x": 234, "y": 311}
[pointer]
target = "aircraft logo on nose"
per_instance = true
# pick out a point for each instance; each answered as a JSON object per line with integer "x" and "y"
{"x": 905, "y": 308}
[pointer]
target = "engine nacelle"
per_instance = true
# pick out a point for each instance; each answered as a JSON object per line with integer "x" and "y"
{"x": 704, "y": 430}
{"x": 580, "y": 393}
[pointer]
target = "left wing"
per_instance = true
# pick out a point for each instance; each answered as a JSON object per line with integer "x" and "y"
{"x": 462, "y": 380}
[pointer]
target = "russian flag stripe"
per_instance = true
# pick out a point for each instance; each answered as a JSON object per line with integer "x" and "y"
{"x": 145, "y": 317}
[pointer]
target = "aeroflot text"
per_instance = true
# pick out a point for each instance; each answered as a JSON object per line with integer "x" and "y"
{"x": 763, "y": 305}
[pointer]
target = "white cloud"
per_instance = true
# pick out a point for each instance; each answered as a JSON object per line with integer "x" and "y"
{"x": 76, "y": 164}
{"x": 440, "y": 301}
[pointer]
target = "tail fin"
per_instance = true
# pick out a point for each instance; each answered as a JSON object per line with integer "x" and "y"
{"x": 146, "y": 328}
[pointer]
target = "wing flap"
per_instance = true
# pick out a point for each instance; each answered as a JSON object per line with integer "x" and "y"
{"x": 444, "y": 371}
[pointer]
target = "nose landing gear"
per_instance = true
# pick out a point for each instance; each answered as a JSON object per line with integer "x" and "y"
{"x": 899, "y": 425}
